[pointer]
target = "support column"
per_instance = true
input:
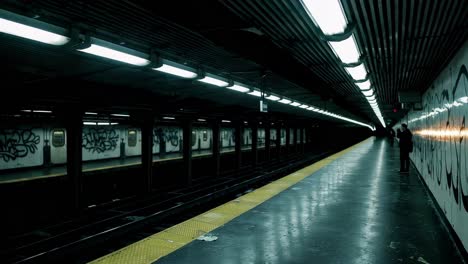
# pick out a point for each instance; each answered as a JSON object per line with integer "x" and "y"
{"x": 147, "y": 152}
{"x": 301, "y": 138}
{"x": 187, "y": 151}
{"x": 295, "y": 140}
{"x": 216, "y": 148}
{"x": 288, "y": 138}
{"x": 254, "y": 126}
{"x": 238, "y": 146}
{"x": 267, "y": 141}
{"x": 74, "y": 126}
{"x": 278, "y": 141}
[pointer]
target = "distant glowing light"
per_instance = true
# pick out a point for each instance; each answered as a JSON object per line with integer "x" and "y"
{"x": 328, "y": 15}
{"x": 285, "y": 101}
{"x": 357, "y": 73}
{"x": 273, "y": 98}
{"x": 112, "y": 54}
{"x": 214, "y": 81}
{"x": 176, "y": 71}
{"x": 256, "y": 93}
{"x": 346, "y": 50}
{"x": 364, "y": 85}
{"x": 238, "y": 88}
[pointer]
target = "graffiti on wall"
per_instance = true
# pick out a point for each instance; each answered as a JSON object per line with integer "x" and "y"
{"x": 17, "y": 143}
{"x": 99, "y": 140}
{"x": 440, "y": 141}
{"x": 168, "y": 134}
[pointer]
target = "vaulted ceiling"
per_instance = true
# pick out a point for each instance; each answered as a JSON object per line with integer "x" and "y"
{"x": 269, "y": 43}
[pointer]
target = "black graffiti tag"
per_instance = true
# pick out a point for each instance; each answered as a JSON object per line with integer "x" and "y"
{"x": 100, "y": 140}
{"x": 17, "y": 143}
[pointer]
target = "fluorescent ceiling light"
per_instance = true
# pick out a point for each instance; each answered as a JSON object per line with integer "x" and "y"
{"x": 42, "y": 111}
{"x": 370, "y": 98}
{"x": 364, "y": 85}
{"x": 176, "y": 71}
{"x": 168, "y": 117}
{"x": 201, "y": 120}
{"x": 368, "y": 92}
{"x": 90, "y": 113}
{"x": 346, "y": 50}
{"x": 304, "y": 106}
{"x": 255, "y": 93}
{"x": 214, "y": 81}
{"x": 115, "y": 55}
{"x": 103, "y": 123}
{"x": 238, "y": 88}
{"x": 295, "y": 104}
{"x": 311, "y": 108}
{"x": 225, "y": 121}
{"x": 357, "y": 73}
{"x": 23, "y": 31}
{"x": 122, "y": 115}
{"x": 285, "y": 101}
{"x": 89, "y": 123}
{"x": 327, "y": 14}
{"x": 273, "y": 98}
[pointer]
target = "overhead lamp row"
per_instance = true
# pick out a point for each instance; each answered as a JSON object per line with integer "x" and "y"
{"x": 329, "y": 17}
{"x": 25, "y": 27}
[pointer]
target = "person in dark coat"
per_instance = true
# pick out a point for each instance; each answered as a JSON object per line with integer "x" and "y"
{"x": 406, "y": 146}
{"x": 391, "y": 136}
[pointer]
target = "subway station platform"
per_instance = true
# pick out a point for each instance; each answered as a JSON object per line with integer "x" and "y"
{"x": 352, "y": 207}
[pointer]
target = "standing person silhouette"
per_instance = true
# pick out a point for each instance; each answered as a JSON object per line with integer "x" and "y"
{"x": 391, "y": 136}
{"x": 406, "y": 146}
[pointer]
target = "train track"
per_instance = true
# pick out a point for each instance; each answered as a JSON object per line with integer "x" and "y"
{"x": 116, "y": 220}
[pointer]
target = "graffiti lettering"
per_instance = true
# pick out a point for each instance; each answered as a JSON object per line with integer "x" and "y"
{"x": 17, "y": 143}
{"x": 100, "y": 140}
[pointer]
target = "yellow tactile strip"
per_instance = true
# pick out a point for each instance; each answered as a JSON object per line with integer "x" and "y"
{"x": 161, "y": 244}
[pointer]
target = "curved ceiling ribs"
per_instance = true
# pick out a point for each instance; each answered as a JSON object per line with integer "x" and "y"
{"x": 405, "y": 43}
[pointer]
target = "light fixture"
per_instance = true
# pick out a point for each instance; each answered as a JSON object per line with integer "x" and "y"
{"x": 42, "y": 111}
{"x": 255, "y": 93}
{"x": 295, "y": 104}
{"x": 168, "y": 118}
{"x": 346, "y": 50}
{"x": 304, "y": 106}
{"x": 226, "y": 121}
{"x": 368, "y": 92}
{"x": 213, "y": 80}
{"x": 89, "y": 123}
{"x": 371, "y": 98}
{"x": 90, "y": 113}
{"x": 176, "y": 69}
{"x": 327, "y": 15}
{"x": 201, "y": 120}
{"x": 272, "y": 97}
{"x": 115, "y": 52}
{"x": 357, "y": 73}
{"x": 364, "y": 85}
{"x": 285, "y": 101}
{"x": 239, "y": 88}
{"x": 311, "y": 108}
{"x": 121, "y": 115}
{"x": 32, "y": 29}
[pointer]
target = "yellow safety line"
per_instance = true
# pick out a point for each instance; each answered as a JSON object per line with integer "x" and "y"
{"x": 163, "y": 243}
